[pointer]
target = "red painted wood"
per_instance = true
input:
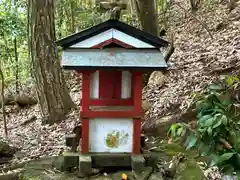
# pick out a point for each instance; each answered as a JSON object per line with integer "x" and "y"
{"x": 117, "y": 80}
{"x": 110, "y": 84}
{"x": 85, "y": 135}
{"x": 137, "y": 108}
{"x": 137, "y": 91}
{"x": 102, "y": 44}
{"x": 136, "y": 135}
{"x": 111, "y": 114}
{"x": 112, "y": 41}
{"x": 120, "y": 43}
{"x": 85, "y": 108}
{"x": 111, "y": 102}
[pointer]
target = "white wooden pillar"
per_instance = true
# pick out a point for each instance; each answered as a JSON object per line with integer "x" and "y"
{"x": 126, "y": 85}
{"x": 94, "y": 85}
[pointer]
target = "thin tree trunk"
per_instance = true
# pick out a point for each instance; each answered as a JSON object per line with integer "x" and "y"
{"x": 16, "y": 63}
{"x": 73, "y": 29}
{"x": 52, "y": 91}
{"x": 3, "y": 103}
{"x": 16, "y": 55}
{"x": 147, "y": 14}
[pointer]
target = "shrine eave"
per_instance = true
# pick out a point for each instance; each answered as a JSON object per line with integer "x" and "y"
{"x": 112, "y": 24}
{"x": 120, "y": 68}
{"x": 113, "y": 58}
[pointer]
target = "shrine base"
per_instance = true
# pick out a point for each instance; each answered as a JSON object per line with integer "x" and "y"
{"x": 137, "y": 163}
{"x": 85, "y": 165}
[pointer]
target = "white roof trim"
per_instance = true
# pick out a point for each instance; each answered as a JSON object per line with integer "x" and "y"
{"x": 112, "y": 33}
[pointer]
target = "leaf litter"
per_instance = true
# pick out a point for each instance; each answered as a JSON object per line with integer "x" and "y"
{"x": 197, "y": 61}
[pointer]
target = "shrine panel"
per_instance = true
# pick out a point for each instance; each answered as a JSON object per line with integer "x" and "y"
{"x": 111, "y": 135}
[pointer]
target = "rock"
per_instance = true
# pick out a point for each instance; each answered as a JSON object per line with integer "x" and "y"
{"x": 153, "y": 158}
{"x": 58, "y": 163}
{"x": 228, "y": 177}
{"x": 156, "y": 79}
{"x": 147, "y": 171}
{"x": 137, "y": 163}
{"x": 11, "y": 174}
{"x": 160, "y": 126}
{"x": 6, "y": 150}
{"x": 146, "y": 105}
{"x": 188, "y": 170}
{"x": 102, "y": 178}
{"x": 156, "y": 176}
{"x": 42, "y": 169}
{"x": 71, "y": 160}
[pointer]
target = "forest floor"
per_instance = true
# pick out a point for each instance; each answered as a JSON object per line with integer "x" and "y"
{"x": 197, "y": 61}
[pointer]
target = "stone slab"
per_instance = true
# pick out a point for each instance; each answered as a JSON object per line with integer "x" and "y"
{"x": 71, "y": 160}
{"x": 144, "y": 174}
{"x": 137, "y": 163}
{"x": 156, "y": 176}
{"x": 110, "y": 160}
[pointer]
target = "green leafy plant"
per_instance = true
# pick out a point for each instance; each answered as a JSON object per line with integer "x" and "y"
{"x": 217, "y": 130}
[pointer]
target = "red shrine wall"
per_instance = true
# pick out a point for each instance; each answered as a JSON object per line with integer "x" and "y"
{"x": 111, "y": 88}
{"x": 90, "y": 115}
{"x": 110, "y": 83}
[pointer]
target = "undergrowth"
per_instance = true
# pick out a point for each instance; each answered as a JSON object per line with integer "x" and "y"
{"x": 216, "y": 131}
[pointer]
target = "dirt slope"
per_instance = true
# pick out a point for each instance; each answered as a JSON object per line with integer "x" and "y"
{"x": 197, "y": 61}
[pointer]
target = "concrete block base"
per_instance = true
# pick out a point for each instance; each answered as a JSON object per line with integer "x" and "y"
{"x": 111, "y": 160}
{"x": 137, "y": 163}
{"x": 70, "y": 160}
{"x": 85, "y": 165}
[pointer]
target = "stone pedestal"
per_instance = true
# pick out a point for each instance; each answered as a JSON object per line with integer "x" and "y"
{"x": 137, "y": 163}
{"x": 85, "y": 165}
{"x": 70, "y": 160}
{"x": 111, "y": 160}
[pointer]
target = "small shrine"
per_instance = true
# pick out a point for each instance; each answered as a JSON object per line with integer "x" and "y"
{"x": 111, "y": 56}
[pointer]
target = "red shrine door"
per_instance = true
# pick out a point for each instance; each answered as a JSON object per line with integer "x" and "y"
{"x": 110, "y": 84}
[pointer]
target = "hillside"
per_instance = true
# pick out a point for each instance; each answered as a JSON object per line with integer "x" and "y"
{"x": 197, "y": 61}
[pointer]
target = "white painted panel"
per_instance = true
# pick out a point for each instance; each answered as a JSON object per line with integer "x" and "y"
{"x": 130, "y": 40}
{"x": 112, "y": 33}
{"x": 94, "y": 40}
{"x": 94, "y": 86}
{"x": 126, "y": 84}
{"x": 116, "y": 130}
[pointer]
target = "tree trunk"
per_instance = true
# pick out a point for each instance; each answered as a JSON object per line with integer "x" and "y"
{"x": 2, "y": 103}
{"x": 194, "y": 5}
{"x": 147, "y": 13}
{"x": 52, "y": 90}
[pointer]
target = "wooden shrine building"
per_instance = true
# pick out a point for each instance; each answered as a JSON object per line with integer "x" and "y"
{"x": 112, "y": 57}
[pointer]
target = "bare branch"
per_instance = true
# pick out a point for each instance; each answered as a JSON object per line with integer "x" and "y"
{"x": 171, "y": 49}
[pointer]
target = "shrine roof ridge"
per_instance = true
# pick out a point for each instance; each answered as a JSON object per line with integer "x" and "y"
{"x": 109, "y": 24}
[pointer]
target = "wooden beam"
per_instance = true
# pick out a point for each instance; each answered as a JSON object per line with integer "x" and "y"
{"x": 104, "y": 6}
